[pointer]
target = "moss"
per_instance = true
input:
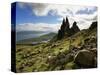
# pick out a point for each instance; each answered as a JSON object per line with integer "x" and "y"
{"x": 71, "y": 65}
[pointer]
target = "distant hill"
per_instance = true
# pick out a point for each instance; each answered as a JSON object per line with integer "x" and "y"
{"x": 45, "y": 37}
{"x": 21, "y": 35}
{"x": 28, "y": 32}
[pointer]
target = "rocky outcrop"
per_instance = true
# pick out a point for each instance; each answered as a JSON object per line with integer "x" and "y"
{"x": 93, "y": 25}
{"x": 65, "y": 29}
{"x": 85, "y": 53}
{"x": 74, "y": 28}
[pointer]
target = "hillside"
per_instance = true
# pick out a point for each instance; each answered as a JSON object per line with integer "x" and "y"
{"x": 29, "y": 32}
{"x": 21, "y": 35}
{"x": 71, "y": 48}
{"x": 45, "y": 37}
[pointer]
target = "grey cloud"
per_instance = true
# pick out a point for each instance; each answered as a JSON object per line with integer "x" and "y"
{"x": 87, "y": 10}
{"x": 94, "y": 18}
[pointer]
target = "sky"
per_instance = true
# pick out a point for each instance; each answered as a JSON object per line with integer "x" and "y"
{"x": 48, "y": 17}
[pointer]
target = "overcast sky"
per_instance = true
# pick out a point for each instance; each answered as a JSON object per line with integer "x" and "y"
{"x": 48, "y": 17}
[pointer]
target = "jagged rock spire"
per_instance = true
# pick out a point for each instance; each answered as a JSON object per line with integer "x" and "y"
{"x": 65, "y": 29}
{"x": 67, "y": 23}
{"x": 93, "y": 25}
{"x": 63, "y": 25}
{"x": 74, "y": 28}
{"x": 64, "y": 22}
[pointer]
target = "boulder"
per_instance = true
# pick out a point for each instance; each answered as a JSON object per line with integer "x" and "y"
{"x": 84, "y": 59}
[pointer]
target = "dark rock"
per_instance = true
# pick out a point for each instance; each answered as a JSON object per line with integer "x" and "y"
{"x": 54, "y": 45}
{"x": 60, "y": 48}
{"x": 93, "y": 40}
{"x": 93, "y": 25}
{"x": 60, "y": 34}
{"x": 74, "y": 28}
{"x": 94, "y": 51}
{"x": 95, "y": 62}
{"x": 18, "y": 50}
{"x": 63, "y": 26}
{"x": 69, "y": 57}
{"x": 86, "y": 40}
{"x": 65, "y": 29}
{"x": 85, "y": 59}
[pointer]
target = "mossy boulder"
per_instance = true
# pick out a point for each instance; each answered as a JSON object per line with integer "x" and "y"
{"x": 84, "y": 59}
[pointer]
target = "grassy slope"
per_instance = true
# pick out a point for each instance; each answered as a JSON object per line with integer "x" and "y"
{"x": 36, "y": 58}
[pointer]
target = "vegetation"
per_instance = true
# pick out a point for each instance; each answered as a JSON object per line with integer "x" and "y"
{"x": 55, "y": 54}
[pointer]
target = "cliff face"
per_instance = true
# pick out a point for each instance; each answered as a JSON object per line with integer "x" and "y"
{"x": 93, "y": 25}
{"x": 65, "y": 29}
{"x": 74, "y": 28}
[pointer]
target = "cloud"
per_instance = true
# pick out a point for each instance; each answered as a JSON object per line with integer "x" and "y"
{"x": 87, "y": 10}
{"x": 84, "y": 24}
{"x": 84, "y": 15}
{"x": 38, "y": 27}
{"x": 38, "y": 9}
{"x": 42, "y": 9}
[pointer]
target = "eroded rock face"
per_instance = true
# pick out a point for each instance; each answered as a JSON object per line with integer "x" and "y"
{"x": 74, "y": 28}
{"x": 60, "y": 34}
{"x": 67, "y": 25}
{"x": 93, "y": 25}
{"x": 85, "y": 59}
{"x": 65, "y": 29}
{"x": 63, "y": 26}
